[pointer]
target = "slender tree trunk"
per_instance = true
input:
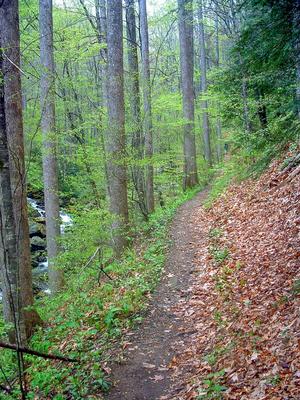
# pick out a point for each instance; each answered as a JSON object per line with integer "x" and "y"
{"x": 185, "y": 20}
{"x": 147, "y": 104}
{"x": 10, "y": 42}
{"x": 101, "y": 18}
{"x": 247, "y": 122}
{"x": 50, "y": 170}
{"x": 219, "y": 125}
{"x": 116, "y": 123}
{"x": 296, "y": 33}
{"x": 135, "y": 109}
{"x": 203, "y": 86}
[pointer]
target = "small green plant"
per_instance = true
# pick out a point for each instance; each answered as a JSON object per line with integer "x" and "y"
{"x": 274, "y": 380}
{"x": 218, "y": 317}
{"x": 296, "y": 287}
{"x": 219, "y": 254}
{"x": 212, "y": 389}
{"x": 215, "y": 233}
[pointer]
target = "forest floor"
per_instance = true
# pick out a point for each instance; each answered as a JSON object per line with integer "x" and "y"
{"x": 145, "y": 373}
{"x": 224, "y": 322}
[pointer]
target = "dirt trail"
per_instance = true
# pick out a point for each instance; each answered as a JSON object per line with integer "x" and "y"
{"x": 144, "y": 375}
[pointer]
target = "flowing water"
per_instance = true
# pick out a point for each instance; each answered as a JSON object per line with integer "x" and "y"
{"x": 39, "y": 272}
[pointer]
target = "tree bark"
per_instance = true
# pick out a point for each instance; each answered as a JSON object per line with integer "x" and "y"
{"x": 12, "y": 303}
{"x": 219, "y": 124}
{"x": 101, "y": 18}
{"x": 135, "y": 109}
{"x": 203, "y": 86}
{"x": 50, "y": 170}
{"x": 148, "y": 128}
{"x": 185, "y": 22}
{"x": 116, "y": 124}
{"x": 10, "y": 42}
{"x": 296, "y": 32}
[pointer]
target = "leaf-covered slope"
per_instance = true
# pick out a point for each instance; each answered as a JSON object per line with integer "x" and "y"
{"x": 245, "y": 303}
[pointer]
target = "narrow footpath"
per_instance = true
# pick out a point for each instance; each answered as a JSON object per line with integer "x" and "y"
{"x": 145, "y": 374}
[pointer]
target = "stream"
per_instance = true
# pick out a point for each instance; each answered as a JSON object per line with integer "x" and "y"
{"x": 40, "y": 270}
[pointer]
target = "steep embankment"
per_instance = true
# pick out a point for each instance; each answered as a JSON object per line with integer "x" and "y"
{"x": 243, "y": 314}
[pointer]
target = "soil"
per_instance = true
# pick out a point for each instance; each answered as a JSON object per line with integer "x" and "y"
{"x": 146, "y": 373}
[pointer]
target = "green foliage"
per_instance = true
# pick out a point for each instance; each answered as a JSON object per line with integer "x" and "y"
{"x": 82, "y": 320}
{"x": 219, "y": 254}
{"x": 212, "y": 387}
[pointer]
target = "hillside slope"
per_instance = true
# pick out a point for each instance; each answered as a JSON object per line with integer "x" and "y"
{"x": 243, "y": 315}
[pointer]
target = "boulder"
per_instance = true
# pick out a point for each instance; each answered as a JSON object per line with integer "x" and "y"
{"x": 36, "y": 229}
{"x": 40, "y": 220}
{"x": 37, "y": 243}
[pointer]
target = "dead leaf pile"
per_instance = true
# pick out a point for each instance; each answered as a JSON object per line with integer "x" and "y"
{"x": 244, "y": 308}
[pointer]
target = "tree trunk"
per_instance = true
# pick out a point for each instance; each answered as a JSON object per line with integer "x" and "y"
{"x": 203, "y": 87}
{"x": 296, "y": 33}
{"x": 219, "y": 125}
{"x": 10, "y": 41}
{"x": 147, "y": 104}
{"x": 247, "y": 122}
{"x": 135, "y": 110}
{"x": 50, "y": 172}
{"x": 101, "y": 19}
{"x": 185, "y": 21}
{"x": 12, "y": 308}
{"x": 116, "y": 124}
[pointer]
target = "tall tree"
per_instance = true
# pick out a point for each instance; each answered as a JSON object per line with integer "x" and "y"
{"x": 296, "y": 40}
{"x": 185, "y": 21}
{"x": 101, "y": 19}
{"x": 116, "y": 122}
{"x": 50, "y": 171}
{"x": 135, "y": 109}
{"x": 219, "y": 125}
{"x": 203, "y": 86}
{"x": 148, "y": 128}
{"x": 8, "y": 237}
{"x": 15, "y": 249}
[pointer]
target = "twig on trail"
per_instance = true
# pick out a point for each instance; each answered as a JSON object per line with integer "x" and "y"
{"x": 36, "y": 353}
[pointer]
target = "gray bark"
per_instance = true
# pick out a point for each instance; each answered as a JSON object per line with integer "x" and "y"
{"x": 12, "y": 302}
{"x": 185, "y": 21}
{"x": 203, "y": 86}
{"x": 116, "y": 125}
{"x": 50, "y": 173}
{"x": 296, "y": 31}
{"x": 219, "y": 125}
{"x": 135, "y": 109}
{"x": 148, "y": 129}
{"x": 10, "y": 41}
{"x": 101, "y": 18}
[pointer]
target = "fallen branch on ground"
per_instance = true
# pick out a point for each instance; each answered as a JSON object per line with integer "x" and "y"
{"x": 36, "y": 353}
